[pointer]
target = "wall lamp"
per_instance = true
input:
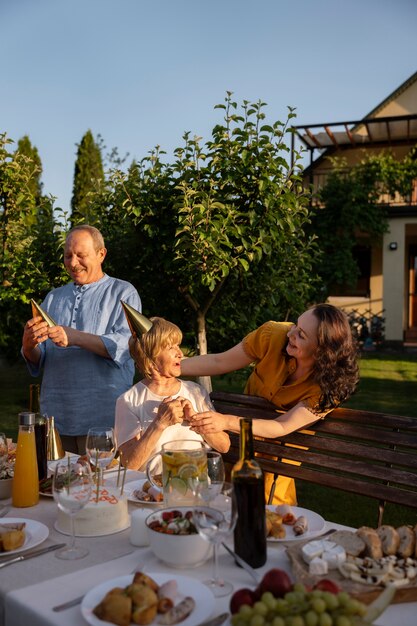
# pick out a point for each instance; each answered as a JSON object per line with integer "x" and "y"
{"x": 393, "y": 245}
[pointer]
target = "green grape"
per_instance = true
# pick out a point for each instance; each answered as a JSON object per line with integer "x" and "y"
{"x": 343, "y": 598}
{"x": 257, "y": 620}
{"x": 318, "y": 605}
{"x": 343, "y": 620}
{"x": 297, "y": 620}
{"x": 260, "y": 608}
{"x": 331, "y": 600}
{"x": 316, "y": 593}
{"x": 299, "y": 587}
{"x": 281, "y": 606}
{"x": 269, "y": 600}
{"x": 245, "y": 611}
{"x": 325, "y": 619}
{"x": 352, "y": 607}
{"x": 278, "y": 621}
{"x": 311, "y": 618}
{"x": 237, "y": 620}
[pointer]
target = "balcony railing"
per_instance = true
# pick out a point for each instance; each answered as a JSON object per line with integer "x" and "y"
{"x": 320, "y": 179}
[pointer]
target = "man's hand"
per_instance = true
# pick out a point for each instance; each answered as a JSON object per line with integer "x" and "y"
{"x": 34, "y": 333}
{"x": 60, "y": 336}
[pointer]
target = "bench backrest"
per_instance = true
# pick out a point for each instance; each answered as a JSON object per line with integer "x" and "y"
{"x": 372, "y": 454}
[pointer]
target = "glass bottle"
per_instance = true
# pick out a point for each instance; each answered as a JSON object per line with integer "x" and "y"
{"x": 248, "y": 481}
{"x": 25, "y": 491}
{"x": 41, "y": 431}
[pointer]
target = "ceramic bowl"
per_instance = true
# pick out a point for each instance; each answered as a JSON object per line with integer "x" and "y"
{"x": 6, "y": 488}
{"x": 177, "y": 550}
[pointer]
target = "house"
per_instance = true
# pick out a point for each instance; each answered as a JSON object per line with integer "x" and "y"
{"x": 387, "y": 284}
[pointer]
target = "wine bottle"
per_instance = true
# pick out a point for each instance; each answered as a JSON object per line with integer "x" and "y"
{"x": 248, "y": 482}
{"x": 41, "y": 425}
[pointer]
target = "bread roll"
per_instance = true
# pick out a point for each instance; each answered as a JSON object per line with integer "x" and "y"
{"x": 407, "y": 541}
{"x": 390, "y": 539}
{"x": 350, "y": 541}
{"x": 372, "y": 541}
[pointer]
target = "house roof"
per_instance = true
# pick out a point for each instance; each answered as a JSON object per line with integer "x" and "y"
{"x": 370, "y": 130}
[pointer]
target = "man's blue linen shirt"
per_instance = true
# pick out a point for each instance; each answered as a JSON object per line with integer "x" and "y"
{"x": 80, "y": 388}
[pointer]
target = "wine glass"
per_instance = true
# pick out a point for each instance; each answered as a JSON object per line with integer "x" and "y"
{"x": 4, "y": 452}
{"x": 209, "y": 489}
{"x": 72, "y": 484}
{"x": 215, "y": 523}
{"x": 101, "y": 448}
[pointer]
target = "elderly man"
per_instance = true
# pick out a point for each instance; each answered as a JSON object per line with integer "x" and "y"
{"x": 85, "y": 357}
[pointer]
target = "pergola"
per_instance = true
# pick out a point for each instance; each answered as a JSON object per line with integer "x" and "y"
{"x": 372, "y": 131}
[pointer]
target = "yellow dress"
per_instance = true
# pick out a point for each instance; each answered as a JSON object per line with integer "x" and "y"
{"x": 266, "y": 346}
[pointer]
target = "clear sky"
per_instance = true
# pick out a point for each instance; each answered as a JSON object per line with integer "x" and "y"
{"x": 141, "y": 72}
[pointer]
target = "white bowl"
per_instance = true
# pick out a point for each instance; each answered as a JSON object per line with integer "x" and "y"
{"x": 177, "y": 550}
{"x": 6, "y": 488}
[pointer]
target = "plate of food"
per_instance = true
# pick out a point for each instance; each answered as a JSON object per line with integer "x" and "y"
{"x": 192, "y": 600}
{"x": 17, "y": 535}
{"x": 292, "y": 523}
{"x": 143, "y": 492}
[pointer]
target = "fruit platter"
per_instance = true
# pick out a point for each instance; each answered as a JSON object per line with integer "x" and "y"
{"x": 277, "y": 601}
{"x": 362, "y": 562}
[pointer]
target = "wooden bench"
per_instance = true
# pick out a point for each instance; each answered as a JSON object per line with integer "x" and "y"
{"x": 362, "y": 452}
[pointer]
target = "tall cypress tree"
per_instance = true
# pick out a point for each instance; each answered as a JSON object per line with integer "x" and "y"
{"x": 88, "y": 176}
{"x": 24, "y": 146}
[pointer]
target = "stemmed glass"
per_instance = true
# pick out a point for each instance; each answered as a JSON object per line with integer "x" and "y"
{"x": 215, "y": 523}
{"x": 209, "y": 489}
{"x": 72, "y": 484}
{"x": 101, "y": 448}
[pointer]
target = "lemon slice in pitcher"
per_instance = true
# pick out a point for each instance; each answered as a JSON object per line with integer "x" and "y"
{"x": 178, "y": 484}
{"x": 188, "y": 471}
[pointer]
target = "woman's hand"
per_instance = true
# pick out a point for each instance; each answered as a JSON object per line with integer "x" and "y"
{"x": 210, "y": 422}
{"x": 170, "y": 412}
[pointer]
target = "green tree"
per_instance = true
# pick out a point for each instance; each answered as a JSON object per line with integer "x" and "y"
{"x": 88, "y": 177}
{"x": 24, "y": 146}
{"x": 29, "y": 240}
{"x": 350, "y": 211}
{"x": 221, "y": 231}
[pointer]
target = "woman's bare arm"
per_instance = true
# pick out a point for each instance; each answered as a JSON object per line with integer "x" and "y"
{"x": 214, "y": 364}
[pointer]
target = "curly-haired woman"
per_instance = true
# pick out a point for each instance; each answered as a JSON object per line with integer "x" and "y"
{"x": 305, "y": 369}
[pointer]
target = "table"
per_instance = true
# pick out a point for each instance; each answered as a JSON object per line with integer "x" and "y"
{"x": 29, "y": 590}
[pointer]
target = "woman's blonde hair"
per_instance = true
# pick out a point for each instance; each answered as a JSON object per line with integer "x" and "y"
{"x": 147, "y": 347}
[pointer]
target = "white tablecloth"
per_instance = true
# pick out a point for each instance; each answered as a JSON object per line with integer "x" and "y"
{"x": 29, "y": 590}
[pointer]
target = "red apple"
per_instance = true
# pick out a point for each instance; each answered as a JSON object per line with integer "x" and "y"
{"x": 327, "y": 585}
{"x": 277, "y": 582}
{"x": 241, "y": 596}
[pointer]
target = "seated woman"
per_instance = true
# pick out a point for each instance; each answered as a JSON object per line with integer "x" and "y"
{"x": 306, "y": 369}
{"x": 156, "y": 410}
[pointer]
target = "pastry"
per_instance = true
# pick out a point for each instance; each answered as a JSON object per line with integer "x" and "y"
{"x": 372, "y": 541}
{"x": 390, "y": 539}
{"x": 407, "y": 541}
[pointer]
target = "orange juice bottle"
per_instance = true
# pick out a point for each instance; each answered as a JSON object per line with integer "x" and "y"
{"x": 26, "y": 482}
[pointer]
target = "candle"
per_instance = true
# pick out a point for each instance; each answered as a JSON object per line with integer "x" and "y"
{"x": 138, "y": 529}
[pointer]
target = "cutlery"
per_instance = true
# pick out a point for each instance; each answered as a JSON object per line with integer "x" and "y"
{"x": 78, "y": 600}
{"x": 215, "y": 621}
{"x": 29, "y": 555}
{"x": 4, "y": 510}
{"x": 256, "y": 577}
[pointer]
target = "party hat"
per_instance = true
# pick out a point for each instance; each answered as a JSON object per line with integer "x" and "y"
{"x": 37, "y": 310}
{"x": 138, "y": 323}
{"x": 55, "y": 449}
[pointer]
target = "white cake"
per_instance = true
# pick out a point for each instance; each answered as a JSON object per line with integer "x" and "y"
{"x": 107, "y": 515}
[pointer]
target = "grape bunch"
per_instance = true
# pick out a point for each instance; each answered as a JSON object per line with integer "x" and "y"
{"x": 300, "y": 607}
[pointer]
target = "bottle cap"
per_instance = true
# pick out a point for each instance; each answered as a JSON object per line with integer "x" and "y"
{"x": 27, "y": 419}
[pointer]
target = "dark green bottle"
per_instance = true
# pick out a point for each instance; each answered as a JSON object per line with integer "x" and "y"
{"x": 248, "y": 482}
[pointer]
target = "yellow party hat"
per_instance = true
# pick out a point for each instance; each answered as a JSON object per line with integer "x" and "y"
{"x": 37, "y": 310}
{"x": 138, "y": 323}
